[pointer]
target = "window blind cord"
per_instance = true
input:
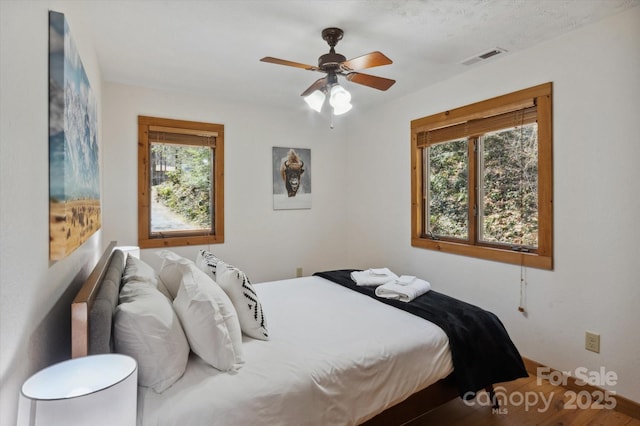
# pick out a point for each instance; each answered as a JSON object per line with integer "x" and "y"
{"x": 523, "y": 285}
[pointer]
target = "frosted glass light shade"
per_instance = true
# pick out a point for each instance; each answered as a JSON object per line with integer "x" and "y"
{"x": 315, "y": 100}
{"x": 340, "y": 99}
{"x": 341, "y": 109}
{"x": 92, "y": 390}
{"x": 339, "y": 96}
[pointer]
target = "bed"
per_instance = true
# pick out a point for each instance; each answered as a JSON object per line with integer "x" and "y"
{"x": 333, "y": 356}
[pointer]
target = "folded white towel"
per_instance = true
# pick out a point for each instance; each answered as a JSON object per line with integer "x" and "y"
{"x": 405, "y": 279}
{"x": 373, "y": 277}
{"x": 380, "y": 271}
{"x": 404, "y": 293}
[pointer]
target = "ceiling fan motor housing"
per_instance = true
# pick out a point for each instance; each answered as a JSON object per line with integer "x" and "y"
{"x": 330, "y": 61}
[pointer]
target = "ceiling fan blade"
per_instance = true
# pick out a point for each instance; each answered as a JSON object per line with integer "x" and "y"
{"x": 370, "y": 60}
{"x": 379, "y": 83}
{"x": 317, "y": 85}
{"x": 277, "y": 61}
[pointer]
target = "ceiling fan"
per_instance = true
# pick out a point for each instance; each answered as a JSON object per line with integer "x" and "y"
{"x": 334, "y": 64}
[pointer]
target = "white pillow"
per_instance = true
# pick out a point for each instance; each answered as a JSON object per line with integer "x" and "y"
{"x": 236, "y": 284}
{"x": 137, "y": 270}
{"x": 208, "y": 262}
{"x": 171, "y": 270}
{"x": 147, "y": 329}
{"x": 209, "y": 320}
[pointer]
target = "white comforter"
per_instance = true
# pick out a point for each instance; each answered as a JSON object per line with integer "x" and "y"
{"x": 336, "y": 357}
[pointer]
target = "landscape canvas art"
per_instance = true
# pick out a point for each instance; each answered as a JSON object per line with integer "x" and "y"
{"x": 74, "y": 174}
{"x": 291, "y": 178}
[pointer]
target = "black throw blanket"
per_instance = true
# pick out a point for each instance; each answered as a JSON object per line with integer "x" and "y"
{"x": 481, "y": 350}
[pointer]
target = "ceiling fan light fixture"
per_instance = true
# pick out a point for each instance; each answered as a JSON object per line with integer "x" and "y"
{"x": 339, "y": 97}
{"x": 315, "y": 100}
{"x": 334, "y": 64}
{"x": 341, "y": 109}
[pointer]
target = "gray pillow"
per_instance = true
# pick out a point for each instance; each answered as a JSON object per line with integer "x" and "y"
{"x": 137, "y": 270}
{"x": 147, "y": 329}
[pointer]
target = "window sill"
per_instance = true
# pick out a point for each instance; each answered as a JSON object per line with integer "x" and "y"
{"x": 180, "y": 241}
{"x": 533, "y": 260}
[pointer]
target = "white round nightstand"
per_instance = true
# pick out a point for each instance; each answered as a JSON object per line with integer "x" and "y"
{"x": 91, "y": 390}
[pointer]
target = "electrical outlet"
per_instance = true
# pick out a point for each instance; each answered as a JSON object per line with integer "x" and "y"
{"x": 592, "y": 342}
{"x": 298, "y": 272}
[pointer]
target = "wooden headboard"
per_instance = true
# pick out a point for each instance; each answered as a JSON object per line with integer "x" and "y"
{"x": 96, "y": 300}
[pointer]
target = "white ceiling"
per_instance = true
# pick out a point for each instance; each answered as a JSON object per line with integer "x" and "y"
{"x": 213, "y": 47}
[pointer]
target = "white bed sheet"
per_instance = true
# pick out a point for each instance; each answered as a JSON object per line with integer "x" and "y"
{"x": 335, "y": 357}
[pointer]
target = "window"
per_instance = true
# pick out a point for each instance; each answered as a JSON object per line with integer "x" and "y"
{"x": 180, "y": 182}
{"x": 481, "y": 179}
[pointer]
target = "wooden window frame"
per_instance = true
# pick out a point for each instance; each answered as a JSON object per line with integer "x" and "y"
{"x": 443, "y": 126}
{"x": 177, "y": 238}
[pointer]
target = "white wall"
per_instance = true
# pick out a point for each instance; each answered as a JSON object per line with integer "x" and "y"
{"x": 35, "y": 296}
{"x": 266, "y": 244}
{"x": 594, "y": 285}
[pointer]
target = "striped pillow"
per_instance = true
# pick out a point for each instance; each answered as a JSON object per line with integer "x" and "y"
{"x": 236, "y": 284}
{"x": 207, "y": 262}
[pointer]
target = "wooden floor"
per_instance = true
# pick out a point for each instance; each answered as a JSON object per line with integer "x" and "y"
{"x": 515, "y": 410}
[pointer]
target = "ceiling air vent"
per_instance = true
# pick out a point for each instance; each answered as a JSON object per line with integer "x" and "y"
{"x": 483, "y": 56}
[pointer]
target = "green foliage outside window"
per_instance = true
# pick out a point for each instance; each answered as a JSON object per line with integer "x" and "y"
{"x": 182, "y": 181}
{"x": 508, "y": 173}
{"x": 509, "y": 212}
{"x": 448, "y": 182}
